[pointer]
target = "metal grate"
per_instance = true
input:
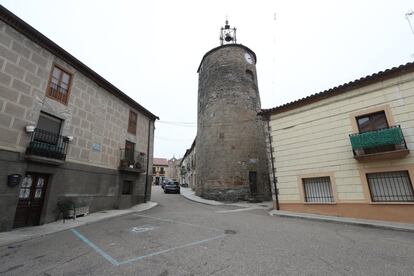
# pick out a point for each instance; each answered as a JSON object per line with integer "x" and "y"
{"x": 48, "y": 144}
{"x": 318, "y": 189}
{"x": 132, "y": 159}
{"x": 390, "y": 187}
{"x": 58, "y": 92}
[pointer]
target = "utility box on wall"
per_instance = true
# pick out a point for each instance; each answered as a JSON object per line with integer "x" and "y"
{"x": 13, "y": 180}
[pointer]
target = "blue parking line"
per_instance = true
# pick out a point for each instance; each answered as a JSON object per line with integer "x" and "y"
{"x": 117, "y": 263}
{"x": 96, "y": 248}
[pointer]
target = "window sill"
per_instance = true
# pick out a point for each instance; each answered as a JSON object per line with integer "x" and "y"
{"x": 58, "y": 100}
{"x": 319, "y": 203}
{"x": 393, "y": 203}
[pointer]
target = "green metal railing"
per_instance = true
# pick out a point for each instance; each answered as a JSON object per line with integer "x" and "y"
{"x": 378, "y": 138}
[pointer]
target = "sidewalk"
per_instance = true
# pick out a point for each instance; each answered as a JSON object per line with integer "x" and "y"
{"x": 189, "y": 194}
{"x": 27, "y": 233}
{"x": 408, "y": 227}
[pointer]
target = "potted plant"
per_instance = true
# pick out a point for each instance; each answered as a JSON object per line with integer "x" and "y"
{"x": 124, "y": 163}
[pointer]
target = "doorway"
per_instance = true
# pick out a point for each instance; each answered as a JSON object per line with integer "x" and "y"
{"x": 129, "y": 152}
{"x": 253, "y": 183}
{"x": 31, "y": 198}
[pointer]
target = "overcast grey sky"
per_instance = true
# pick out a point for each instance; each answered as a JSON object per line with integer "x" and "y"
{"x": 151, "y": 49}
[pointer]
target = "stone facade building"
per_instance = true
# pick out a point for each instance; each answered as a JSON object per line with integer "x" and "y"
{"x": 347, "y": 151}
{"x": 188, "y": 167}
{"x": 173, "y": 170}
{"x": 66, "y": 133}
{"x": 231, "y": 157}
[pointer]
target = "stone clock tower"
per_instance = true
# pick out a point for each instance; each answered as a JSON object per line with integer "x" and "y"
{"x": 231, "y": 155}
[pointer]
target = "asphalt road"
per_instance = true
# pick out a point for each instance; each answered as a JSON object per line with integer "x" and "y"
{"x": 180, "y": 237}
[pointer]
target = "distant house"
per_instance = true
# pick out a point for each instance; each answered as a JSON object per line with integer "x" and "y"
{"x": 188, "y": 169}
{"x": 159, "y": 170}
{"x": 67, "y": 135}
{"x": 347, "y": 151}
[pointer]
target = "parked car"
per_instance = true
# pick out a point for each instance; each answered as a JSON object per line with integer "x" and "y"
{"x": 165, "y": 181}
{"x": 172, "y": 186}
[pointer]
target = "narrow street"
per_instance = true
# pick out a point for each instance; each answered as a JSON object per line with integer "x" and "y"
{"x": 181, "y": 237}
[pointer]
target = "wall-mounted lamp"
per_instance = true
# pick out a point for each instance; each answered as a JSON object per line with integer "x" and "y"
{"x": 30, "y": 128}
{"x": 70, "y": 138}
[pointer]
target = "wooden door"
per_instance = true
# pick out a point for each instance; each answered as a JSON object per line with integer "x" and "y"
{"x": 129, "y": 152}
{"x": 31, "y": 197}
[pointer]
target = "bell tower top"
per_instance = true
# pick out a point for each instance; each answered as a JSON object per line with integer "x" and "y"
{"x": 227, "y": 34}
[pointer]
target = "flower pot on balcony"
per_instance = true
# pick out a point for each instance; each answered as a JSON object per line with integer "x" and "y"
{"x": 30, "y": 128}
{"x": 124, "y": 163}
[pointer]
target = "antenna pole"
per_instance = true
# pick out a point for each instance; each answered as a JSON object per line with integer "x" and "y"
{"x": 407, "y": 16}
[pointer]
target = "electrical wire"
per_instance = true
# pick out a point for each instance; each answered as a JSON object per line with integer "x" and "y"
{"x": 173, "y": 139}
{"x": 214, "y": 124}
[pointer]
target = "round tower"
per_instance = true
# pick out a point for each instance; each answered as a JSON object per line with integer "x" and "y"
{"x": 231, "y": 155}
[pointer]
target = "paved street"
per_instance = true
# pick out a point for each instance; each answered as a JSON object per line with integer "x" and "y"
{"x": 181, "y": 237}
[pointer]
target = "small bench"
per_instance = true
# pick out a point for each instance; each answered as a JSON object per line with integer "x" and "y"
{"x": 68, "y": 209}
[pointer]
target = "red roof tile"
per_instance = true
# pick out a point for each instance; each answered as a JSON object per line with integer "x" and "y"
{"x": 160, "y": 161}
{"x": 346, "y": 87}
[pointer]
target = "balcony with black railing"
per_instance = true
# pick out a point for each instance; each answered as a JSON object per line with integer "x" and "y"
{"x": 47, "y": 147}
{"x": 132, "y": 161}
{"x": 381, "y": 144}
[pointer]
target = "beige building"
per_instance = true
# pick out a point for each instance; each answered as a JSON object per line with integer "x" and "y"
{"x": 188, "y": 172}
{"x": 159, "y": 170}
{"x": 346, "y": 151}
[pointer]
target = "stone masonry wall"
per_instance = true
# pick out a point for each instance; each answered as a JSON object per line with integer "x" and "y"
{"x": 93, "y": 116}
{"x": 230, "y": 137}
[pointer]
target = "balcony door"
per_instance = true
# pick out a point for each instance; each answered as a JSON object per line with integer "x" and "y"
{"x": 48, "y": 129}
{"x": 31, "y": 198}
{"x": 372, "y": 122}
{"x": 129, "y": 151}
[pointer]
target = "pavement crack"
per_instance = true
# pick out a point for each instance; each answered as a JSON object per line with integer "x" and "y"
{"x": 331, "y": 265}
{"x": 62, "y": 263}
{"x": 218, "y": 270}
{"x": 12, "y": 268}
{"x": 342, "y": 235}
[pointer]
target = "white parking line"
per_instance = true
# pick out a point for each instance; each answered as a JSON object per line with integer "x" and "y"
{"x": 179, "y": 222}
{"x": 143, "y": 228}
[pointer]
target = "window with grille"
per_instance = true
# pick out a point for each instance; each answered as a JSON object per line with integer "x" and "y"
{"x": 318, "y": 189}
{"x": 390, "y": 187}
{"x": 59, "y": 85}
{"x": 132, "y": 122}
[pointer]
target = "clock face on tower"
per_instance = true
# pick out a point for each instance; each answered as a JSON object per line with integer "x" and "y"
{"x": 248, "y": 58}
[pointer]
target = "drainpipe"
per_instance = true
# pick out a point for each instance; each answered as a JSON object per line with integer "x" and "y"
{"x": 148, "y": 158}
{"x": 273, "y": 165}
